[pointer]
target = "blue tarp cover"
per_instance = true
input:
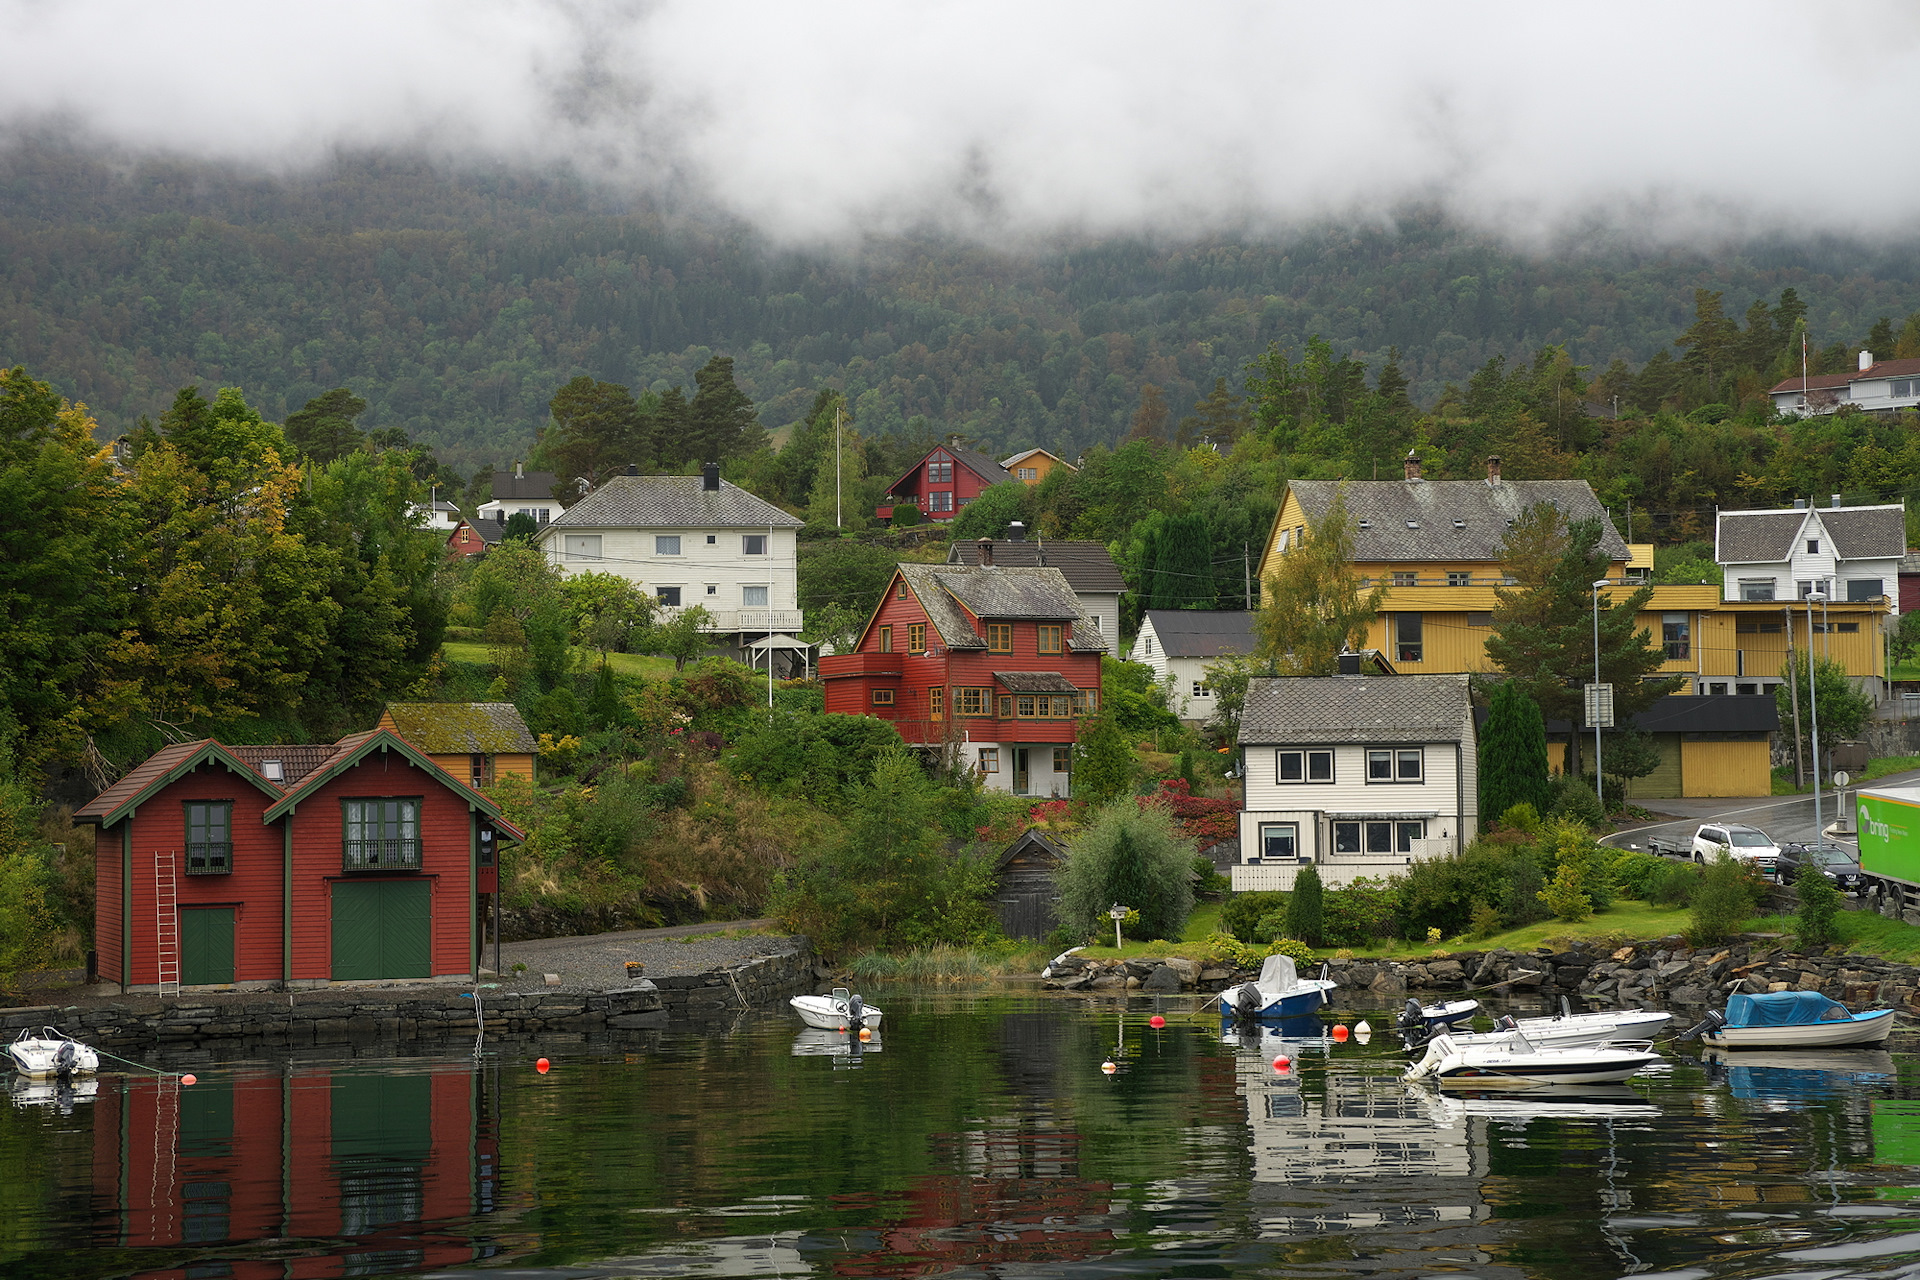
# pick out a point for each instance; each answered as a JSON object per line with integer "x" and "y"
{"x": 1783, "y": 1009}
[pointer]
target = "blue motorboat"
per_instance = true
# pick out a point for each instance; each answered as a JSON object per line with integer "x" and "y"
{"x": 1279, "y": 992}
{"x": 1791, "y": 1020}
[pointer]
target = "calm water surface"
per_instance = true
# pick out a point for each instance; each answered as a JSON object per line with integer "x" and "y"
{"x": 980, "y": 1138}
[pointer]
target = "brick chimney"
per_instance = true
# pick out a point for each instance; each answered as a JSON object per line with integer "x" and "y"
{"x": 710, "y": 477}
{"x": 1413, "y": 465}
{"x": 986, "y": 553}
{"x": 1493, "y": 468}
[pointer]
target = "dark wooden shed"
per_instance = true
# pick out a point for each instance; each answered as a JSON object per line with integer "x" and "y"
{"x": 1024, "y": 892}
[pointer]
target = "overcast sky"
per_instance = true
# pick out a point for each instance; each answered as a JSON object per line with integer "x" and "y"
{"x": 817, "y": 121}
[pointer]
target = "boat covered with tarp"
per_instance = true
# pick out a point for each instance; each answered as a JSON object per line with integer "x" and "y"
{"x": 1791, "y": 1020}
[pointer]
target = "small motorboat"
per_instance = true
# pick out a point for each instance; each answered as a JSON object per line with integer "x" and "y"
{"x": 836, "y": 1012}
{"x": 1566, "y": 1031}
{"x": 1279, "y": 992}
{"x": 51, "y": 1054}
{"x": 1515, "y": 1062}
{"x": 1790, "y": 1020}
{"x": 1427, "y": 1019}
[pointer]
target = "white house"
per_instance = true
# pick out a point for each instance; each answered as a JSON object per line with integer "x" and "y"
{"x": 1087, "y": 566}
{"x": 1876, "y": 384}
{"x": 689, "y": 540}
{"x": 1179, "y": 644}
{"x": 1846, "y": 553}
{"x": 521, "y": 490}
{"x": 1359, "y": 774}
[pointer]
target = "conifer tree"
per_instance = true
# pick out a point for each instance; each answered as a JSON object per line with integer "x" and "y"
{"x": 1513, "y": 754}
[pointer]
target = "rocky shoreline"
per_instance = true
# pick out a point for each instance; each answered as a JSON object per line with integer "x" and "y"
{"x": 1661, "y": 971}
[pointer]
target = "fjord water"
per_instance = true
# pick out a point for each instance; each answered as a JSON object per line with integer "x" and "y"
{"x": 979, "y": 1137}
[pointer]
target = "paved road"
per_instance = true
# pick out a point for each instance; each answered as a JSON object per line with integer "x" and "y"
{"x": 1785, "y": 818}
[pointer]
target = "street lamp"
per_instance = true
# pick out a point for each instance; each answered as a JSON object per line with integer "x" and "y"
{"x": 1599, "y": 785}
{"x": 1813, "y": 598}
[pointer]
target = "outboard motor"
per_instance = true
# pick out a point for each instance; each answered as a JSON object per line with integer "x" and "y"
{"x": 1247, "y": 1001}
{"x": 856, "y": 1013}
{"x": 1506, "y": 1022}
{"x": 63, "y": 1058}
{"x": 1411, "y": 1017}
{"x": 1712, "y": 1022}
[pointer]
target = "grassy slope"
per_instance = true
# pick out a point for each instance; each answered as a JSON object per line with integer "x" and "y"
{"x": 626, "y": 664}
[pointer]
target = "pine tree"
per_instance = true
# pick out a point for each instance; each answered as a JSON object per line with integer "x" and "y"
{"x": 1182, "y": 576}
{"x": 1150, "y": 419}
{"x": 323, "y": 428}
{"x": 721, "y": 417}
{"x": 1306, "y": 907}
{"x": 1513, "y": 754}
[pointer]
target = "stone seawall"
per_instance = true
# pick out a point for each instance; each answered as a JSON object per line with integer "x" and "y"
{"x": 271, "y": 1020}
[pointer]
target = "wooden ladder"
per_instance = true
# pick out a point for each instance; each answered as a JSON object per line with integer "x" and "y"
{"x": 166, "y": 925}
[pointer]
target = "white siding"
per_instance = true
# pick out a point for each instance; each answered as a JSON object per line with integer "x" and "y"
{"x": 1043, "y": 780}
{"x": 715, "y": 575}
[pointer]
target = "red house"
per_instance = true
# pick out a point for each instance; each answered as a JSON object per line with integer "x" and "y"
{"x": 996, "y": 663}
{"x": 944, "y": 481}
{"x": 290, "y": 866}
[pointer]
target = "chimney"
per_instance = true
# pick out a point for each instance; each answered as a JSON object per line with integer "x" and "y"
{"x": 1413, "y": 465}
{"x": 953, "y": 442}
{"x": 1799, "y": 504}
{"x": 986, "y": 553}
{"x": 1017, "y": 531}
{"x": 1836, "y": 500}
{"x": 633, "y": 468}
{"x": 519, "y": 471}
{"x": 1866, "y": 361}
{"x": 1350, "y": 662}
{"x": 1493, "y": 468}
{"x": 710, "y": 477}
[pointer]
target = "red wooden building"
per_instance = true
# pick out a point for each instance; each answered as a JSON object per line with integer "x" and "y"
{"x": 997, "y": 663}
{"x": 944, "y": 481}
{"x": 290, "y": 866}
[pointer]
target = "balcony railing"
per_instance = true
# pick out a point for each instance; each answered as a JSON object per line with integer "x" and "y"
{"x": 209, "y": 858}
{"x": 789, "y": 620}
{"x": 381, "y": 855}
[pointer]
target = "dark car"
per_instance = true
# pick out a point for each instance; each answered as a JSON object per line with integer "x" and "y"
{"x": 1840, "y": 863}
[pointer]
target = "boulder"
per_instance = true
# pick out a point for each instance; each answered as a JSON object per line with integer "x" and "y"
{"x": 1111, "y": 982}
{"x": 1446, "y": 972}
{"x": 1187, "y": 970}
{"x": 1387, "y": 983}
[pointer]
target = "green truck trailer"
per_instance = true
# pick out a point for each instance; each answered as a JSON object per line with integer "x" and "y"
{"x": 1888, "y": 822}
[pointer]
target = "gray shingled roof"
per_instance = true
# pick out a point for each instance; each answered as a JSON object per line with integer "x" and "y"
{"x": 1763, "y": 537}
{"x": 1088, "y": 566}
{"x": 978, "y": 463}
{"x": 1333, "y": 709}
{"x": 1450, "y": 519}
{"x": 1035, "y": 682}
{"x": 997, "y": 594}
{"x": 1867, "y": 533}
{"x": 672, "y": 502}
{"x": 1202, "y": 633}
{"x": 534, "y": 485}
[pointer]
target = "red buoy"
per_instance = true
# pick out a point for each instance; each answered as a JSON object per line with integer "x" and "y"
{"x": 189, "y": 1078}
{"x": 541, "y": 1066}
{"x": 1156, "y": 1022}
{"x": 1282, "y": 1063}
{"x": 1339, "y": 1031}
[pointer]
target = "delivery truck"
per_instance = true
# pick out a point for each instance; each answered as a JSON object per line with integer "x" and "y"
{"x": 1888, "y": 822}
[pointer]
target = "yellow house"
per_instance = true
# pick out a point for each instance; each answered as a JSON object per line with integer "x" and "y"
{"x": 1032, "y": 466}
{"x": 474, "y": 741}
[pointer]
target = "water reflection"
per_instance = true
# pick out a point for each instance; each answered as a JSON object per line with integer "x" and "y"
{"x": 985, "y": 1140}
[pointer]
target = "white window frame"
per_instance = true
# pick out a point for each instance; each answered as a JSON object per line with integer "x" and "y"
{"x": 1270, "y": 831}
{"x": 666, "y": 544}
{"x": 753, "y": 544}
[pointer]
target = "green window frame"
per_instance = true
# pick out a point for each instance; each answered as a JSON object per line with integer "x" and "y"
{"x": 209, "y": 837}
{"x": 380, "y": 833}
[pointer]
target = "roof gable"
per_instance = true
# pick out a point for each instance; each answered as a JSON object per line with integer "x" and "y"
{"x": 355, "y": 747}
{"x": 1335, "y": 709}
{"x": 952, "y": 595}
{"x": 525, "y": 487}
{"x": 1087, "y": 566}
{"x": 978, "y": 463}
{"x": 1447, "y": 520}
{"x": 670, "y": 502}
{"x": 1202, "y": 633}
{"x": 160, "y": 770}
{"x": 461, "y": 728}
{"x": 1867, "y": 533}
{"x": 1756, "y": 537}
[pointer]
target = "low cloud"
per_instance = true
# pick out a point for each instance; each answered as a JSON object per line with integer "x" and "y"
{"x": 1013, "y": 121}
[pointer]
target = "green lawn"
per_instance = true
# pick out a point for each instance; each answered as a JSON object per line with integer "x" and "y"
{"x": 626, "y": 664}
{"x": 1865, "y": 932}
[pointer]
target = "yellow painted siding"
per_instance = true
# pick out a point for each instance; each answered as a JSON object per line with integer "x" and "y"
{"x": 1726, "y": 768}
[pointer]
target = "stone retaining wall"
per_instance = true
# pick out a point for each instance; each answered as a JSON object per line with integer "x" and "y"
{"x": 342, "y": 1015}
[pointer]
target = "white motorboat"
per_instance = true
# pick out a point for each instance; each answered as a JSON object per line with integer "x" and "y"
{"x": 836, "y": 1012}
{"x": 50, "y": 1054}
{"x": 1279, "y": 992}
{"x": 1569, "y": 1030}
{"x": 1426, "y": 1019}
{"x": 1518, "y": 1063}
{"x": 1791, "y": 1020}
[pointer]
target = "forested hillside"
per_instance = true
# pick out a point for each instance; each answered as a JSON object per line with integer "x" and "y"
{"x": 458, "y": 304}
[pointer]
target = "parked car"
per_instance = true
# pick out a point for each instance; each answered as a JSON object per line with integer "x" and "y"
{"x": 1739, "y": 841}
{"x": 1838, "y": 862}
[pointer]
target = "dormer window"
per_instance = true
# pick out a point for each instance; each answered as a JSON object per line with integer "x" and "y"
{"x": 1813, "y": 546}
{"x": 273, "y": 771}
{"x": 1364, "y": 524}
{"x": 1413, "y": 524}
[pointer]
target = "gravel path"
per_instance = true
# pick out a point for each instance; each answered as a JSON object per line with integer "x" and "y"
{"x": 598, "y": 962}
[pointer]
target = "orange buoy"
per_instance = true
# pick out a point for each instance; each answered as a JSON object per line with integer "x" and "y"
{"x": 1156, "y": 1022}
{"x": 866, "y": 1033}
{"x": 1109, "y": 1067}
{"x": 1282, "y": 1063}
{"x": 189, "y": 1078}
{"x": 1339, "y": 1031}
{"x": 541, "y": 1066}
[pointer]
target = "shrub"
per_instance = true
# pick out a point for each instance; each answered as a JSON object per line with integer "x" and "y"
{"x": 1566, "y": 894}
{"x": 1521, "y": 817}
{"x": 1439, "y": 893}
{"x": 1675, "y": 883}
{"x": 1589, "y": 866}
{"x": 1360, "y": 913}
{"x": 1637, "y": 872}
{"x": 1722, "y": 903}
{"x": 905, "y": 515}
{"x": 1133, "y": 856}
{"x": 1818, "y": 924}
{"x": 1305, "y": 907}
{"x": 1486, "y": 920}
{"x": 1207, "y": 878}
{"x": 1244, "y": 911}
{"x": 1574, "y": 798}
{"x": 1230, "y": 950}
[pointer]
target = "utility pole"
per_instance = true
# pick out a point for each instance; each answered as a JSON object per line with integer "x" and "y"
{"x": 839, "y": 410}
{"x": 1246, "y": 573}
{"x": 1793, "y": 692}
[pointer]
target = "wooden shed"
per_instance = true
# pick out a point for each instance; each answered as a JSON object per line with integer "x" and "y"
{"x": 1024, "y": 892}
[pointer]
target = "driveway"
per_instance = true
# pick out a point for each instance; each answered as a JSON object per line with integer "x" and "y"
{"x": 1785, "y": 818}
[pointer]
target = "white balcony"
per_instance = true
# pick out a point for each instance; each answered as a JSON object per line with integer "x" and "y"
{"x": 787, "y": 620}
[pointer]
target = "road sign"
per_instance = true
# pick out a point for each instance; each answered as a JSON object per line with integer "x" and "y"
{"x": 1842, "y": 778}
{"x": 1599, "y": 706}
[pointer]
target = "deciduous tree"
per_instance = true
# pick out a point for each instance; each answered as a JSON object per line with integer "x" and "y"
{"x": 1313, "y": 607}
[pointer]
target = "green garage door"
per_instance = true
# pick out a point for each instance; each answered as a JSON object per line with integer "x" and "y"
{"x": 1665, "y": 781}
{"x": 380, "y": 929}
{"x": 206, "y": 945}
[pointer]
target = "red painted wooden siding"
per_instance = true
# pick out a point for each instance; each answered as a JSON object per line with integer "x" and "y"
{"x": 107, "y": 925}
{"x": 445, "y": 859}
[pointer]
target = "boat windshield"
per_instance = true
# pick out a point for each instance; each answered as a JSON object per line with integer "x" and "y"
{"x": 1750, "y": 839}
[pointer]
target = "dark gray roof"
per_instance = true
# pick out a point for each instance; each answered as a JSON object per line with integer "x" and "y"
{"x": 534, "y": 484}
{"x": 1763, "y": 537}
{"x": 997, "y": 594}
{"x": 1755, "y": 537}
{"x": 978, "y": 463}
{"x": 1715, "y": 713}
{"x": 1867, "y": 533}
{"x": 1088, "y": 566}
{"x": 1202, "y": 633}
{"x": 1450, "y": 519}
{"x": 1289, "y": 709}
{"x": 672, "y": 502}
{"x": 1035, "y": 682}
